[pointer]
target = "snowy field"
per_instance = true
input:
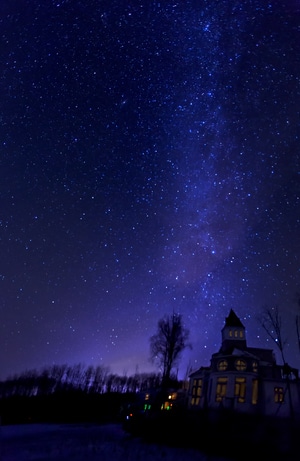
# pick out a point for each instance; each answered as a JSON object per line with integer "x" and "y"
{"x": 41, "y": 442}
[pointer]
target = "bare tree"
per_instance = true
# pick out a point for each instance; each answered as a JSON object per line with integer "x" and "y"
{"x": 168, "y": 343}
{"x": 297, "y": 321}
{"x": 272, "y": 324}
{"x": 188, "y": 371}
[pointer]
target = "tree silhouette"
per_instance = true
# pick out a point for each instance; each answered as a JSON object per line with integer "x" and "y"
{"x": 272, "y": 324}
{"x": 297, "y": 320}
{"x": 168, "y": 343}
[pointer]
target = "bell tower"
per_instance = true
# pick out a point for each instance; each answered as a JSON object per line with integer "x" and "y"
{"x": 233, "y": 334}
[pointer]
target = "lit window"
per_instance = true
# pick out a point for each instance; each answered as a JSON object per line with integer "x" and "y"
{"x": 230, "y": 333}
{"x": 240, "y": 365}
{"x": 241, "y": 334}
{"x": 222, "y": 365}
{"x": 254, "y": 391}
{"x": 166, "y": 406}
{"x": 255, "y": 366}
{"x": 278, "y": 394}
{"x": 196, "y": 391}
{"x": 235, "y": 334}
{"x": 240, "y": 389}
{"x": 221, "y": 389}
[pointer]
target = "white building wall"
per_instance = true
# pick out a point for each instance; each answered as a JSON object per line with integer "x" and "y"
{"x": 266, "y": 403}
{"x": 281, "y": 409}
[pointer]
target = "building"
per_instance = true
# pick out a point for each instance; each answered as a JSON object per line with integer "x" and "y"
{"x": 245, "y": 379}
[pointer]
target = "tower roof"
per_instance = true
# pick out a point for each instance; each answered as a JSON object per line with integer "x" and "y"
{"x": 232, "y": 320}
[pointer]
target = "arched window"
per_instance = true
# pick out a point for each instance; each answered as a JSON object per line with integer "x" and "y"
{"x": 240, "y": 365}
{"x": 222, "y": 365}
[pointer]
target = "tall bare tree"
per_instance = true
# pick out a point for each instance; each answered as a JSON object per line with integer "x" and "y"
{"x": 168, "y": 343}
{"x": 271, "y": 321}
{"x": 297, "y": 321}
{"x": 272, "y": 324}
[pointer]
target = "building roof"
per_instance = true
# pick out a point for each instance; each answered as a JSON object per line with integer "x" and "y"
{"x": 199, "y": 370}
{"x": 265, "y": 355}
{"x": 232, "y": 320}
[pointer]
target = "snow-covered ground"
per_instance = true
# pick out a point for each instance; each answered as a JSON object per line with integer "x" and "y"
{"x": 42, "y": 442}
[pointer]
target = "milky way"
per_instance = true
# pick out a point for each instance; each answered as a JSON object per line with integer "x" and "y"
{"x": 149, "y": 164}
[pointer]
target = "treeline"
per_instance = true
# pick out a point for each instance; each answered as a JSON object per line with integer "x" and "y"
{"x": 78, "y": 377}
{"x": 64, "y": 393}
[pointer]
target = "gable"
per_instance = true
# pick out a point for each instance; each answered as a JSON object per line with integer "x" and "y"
{"x": 264, "y": 355}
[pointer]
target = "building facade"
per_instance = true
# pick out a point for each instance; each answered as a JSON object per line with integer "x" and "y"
{"x": 245, "y": 379}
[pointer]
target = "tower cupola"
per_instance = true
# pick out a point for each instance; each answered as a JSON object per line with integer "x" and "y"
{"x": 233, "y": 333}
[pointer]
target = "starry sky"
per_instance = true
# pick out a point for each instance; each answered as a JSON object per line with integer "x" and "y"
{"x": 149, "y": 164}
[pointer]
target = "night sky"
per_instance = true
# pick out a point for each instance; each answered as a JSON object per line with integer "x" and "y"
{"x": 149, "y": 164}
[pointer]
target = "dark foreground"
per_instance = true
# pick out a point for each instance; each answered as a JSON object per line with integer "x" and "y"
{"x": 86, "y": 442}
{"x": 223, "y": 434}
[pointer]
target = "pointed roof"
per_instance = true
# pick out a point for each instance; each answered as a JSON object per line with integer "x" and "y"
{"x": 232, "y": 320}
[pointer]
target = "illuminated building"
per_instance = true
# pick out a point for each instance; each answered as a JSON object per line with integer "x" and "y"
{"x": 245, "y": 379}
